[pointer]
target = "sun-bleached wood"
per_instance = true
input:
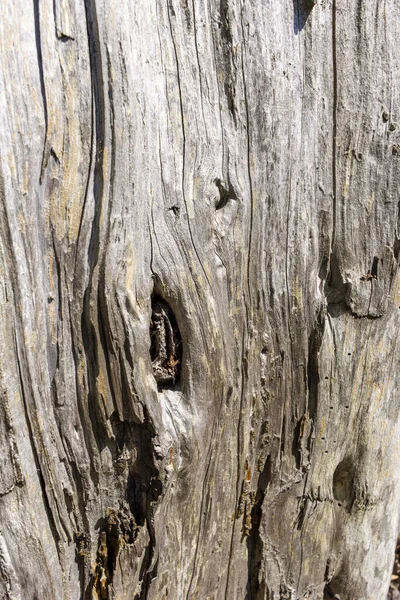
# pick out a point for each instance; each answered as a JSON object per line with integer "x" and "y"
{"x": 233, "y": 166}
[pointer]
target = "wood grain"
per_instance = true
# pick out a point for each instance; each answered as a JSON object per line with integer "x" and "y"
{"x": 239, "y": 161}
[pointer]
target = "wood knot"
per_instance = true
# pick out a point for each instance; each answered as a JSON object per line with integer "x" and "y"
{"x": 166, "y": 344}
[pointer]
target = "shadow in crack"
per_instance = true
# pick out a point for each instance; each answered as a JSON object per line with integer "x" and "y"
{"x": 255, "y": 584}
{"x": 302, "y": 10}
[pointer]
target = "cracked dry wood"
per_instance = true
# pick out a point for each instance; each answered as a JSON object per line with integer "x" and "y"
{"x": 238, "y": 160}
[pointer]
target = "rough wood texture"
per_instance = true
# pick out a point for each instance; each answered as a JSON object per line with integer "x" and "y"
{"x": 199, "y": 299}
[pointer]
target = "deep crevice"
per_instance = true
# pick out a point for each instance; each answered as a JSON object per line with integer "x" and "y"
{"x": 99, "y": 124}
{"x": 119, "y": 529}
{"x": 302, "y": 10}
{"x": 314, "y": 346}
{"x": 331, "y": 590}
{"x": 166, "y": 345}
{"x": 228, "y": 67}
{"x": 139, "y": 492}
{"x": 255, "y": 588}
{"x": 226, "y": 193}
{"x": 296, "y": 448}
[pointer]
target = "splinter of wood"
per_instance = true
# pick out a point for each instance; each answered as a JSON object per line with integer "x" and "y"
{"x": 368, "y": 277}
{"x": 166, "y": 344}
{"x": 373, "y": 272}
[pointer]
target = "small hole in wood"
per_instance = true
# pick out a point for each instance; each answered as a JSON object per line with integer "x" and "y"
{"x": 343, "y": 483}
{"x": 166, "y": 345}
{"x": 374, "y": 267}
{"x": 226, "y": 193}
{"x": 175, "y": 209}
{"x": 329, "y": 592}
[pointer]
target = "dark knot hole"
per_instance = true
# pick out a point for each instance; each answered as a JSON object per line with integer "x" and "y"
{"x": 166, "y": 345}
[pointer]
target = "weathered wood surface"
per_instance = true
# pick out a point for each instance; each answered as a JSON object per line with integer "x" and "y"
{"x": 239, "y": 160}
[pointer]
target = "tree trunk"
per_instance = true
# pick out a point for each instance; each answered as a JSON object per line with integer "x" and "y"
{"x": 199, "y": 299}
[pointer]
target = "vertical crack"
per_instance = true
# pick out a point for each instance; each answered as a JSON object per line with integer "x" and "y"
{"x": 42, "y": 84}
{"x": 334, "y": 142}
{"x": 98, "y": 109}
{"x": 246, "y": 104}
{"x": 178, "y": 76}
{"x": 255, "y": 544}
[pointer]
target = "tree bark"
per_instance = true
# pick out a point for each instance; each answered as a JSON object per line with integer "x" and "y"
{"x": 199, "y": 299}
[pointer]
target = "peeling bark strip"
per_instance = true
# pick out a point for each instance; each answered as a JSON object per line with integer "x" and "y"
{"x": 199, "y": 299}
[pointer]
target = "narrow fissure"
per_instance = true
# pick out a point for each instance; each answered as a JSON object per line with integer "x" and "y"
{"x": 332, "y": 264}
{"x": 120, "y": 528}
{"x": 121, "y": 525}
{"x": 254, "y": 541}
{"x": 38, "y": 41}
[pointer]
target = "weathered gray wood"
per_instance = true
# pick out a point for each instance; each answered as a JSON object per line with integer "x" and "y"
{"x": 240, "y": 161}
